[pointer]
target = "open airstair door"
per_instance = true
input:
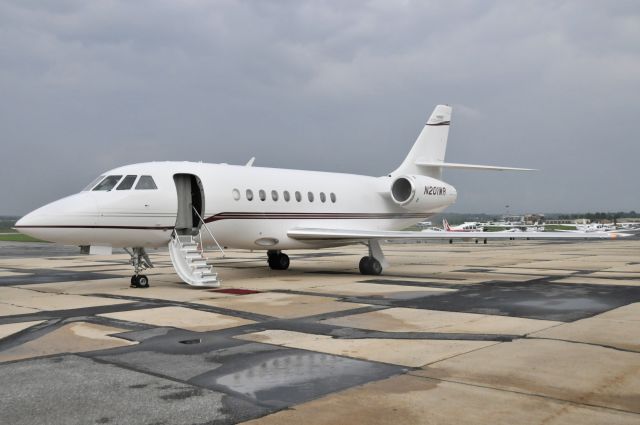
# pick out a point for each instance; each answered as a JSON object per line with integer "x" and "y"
{"x": 190, "y": 199}
{"x": 186, "y": 251}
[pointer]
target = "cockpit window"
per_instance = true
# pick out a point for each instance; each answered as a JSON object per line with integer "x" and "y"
{"x": 93, "y": 183}
{"x": 146, "y": 183}
{"x": 127, "y": 183}
{"x": 108, "y": 183}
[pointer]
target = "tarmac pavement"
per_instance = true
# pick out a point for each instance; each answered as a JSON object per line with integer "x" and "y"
{"x": 505, "y": 333}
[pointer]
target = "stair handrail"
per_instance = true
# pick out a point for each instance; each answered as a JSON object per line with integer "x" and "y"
{"x": 209, "y": 231}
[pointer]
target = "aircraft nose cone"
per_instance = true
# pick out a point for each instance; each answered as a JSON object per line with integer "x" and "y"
{"x": 52, "y": 222}
{"x": 25, "y": 220}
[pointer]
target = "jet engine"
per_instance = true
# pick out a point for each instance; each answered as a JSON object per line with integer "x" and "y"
{"x": 416, "y": 193}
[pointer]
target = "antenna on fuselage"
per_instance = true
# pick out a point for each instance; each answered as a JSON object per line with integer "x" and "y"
{"x": 250, "y": 163}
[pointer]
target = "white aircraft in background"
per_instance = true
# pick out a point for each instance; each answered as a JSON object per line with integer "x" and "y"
{"x": 189, "y": 205}
{"x": 467, "y": 226}
{"x": 596, "y": 227}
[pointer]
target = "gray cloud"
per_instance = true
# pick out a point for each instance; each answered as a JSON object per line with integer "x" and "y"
{"x": 327, "y": 85}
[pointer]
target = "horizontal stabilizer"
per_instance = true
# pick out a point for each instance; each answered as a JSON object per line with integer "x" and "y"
{"x": 469, "y": 166}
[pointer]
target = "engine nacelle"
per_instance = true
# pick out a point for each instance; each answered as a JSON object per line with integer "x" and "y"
{"x": 421, "y": 193}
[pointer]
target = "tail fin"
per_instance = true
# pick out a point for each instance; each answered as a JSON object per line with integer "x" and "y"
{"x": 445, "y": 225}
{"x": 426, "y": 157}
{"x": 430, "y": 146}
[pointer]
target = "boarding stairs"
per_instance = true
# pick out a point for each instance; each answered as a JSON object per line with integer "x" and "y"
{"x": 189, "y": 260}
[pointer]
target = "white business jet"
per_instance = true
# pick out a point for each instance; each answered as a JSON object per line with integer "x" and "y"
{"x": 189, "y": 205}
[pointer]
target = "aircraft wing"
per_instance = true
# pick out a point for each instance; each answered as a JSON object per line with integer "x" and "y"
{"x": 318, "y": 234}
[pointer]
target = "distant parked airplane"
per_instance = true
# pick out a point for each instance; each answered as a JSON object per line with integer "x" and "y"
{"x": 190, "y": 204}
{"x": 467, "y": 226}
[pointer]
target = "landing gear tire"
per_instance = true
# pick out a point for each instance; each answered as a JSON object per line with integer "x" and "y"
{"x": 139, "y": 281}
{"x": 370, "y": 266}
{"x": 278, "y": 261}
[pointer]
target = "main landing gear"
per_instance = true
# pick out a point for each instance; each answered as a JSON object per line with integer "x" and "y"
{"x": 374, "y": 263}
{"x": 277, "y": 260}
{"x": 140, "y": 261}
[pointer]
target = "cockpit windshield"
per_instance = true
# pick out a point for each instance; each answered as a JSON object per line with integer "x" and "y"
{"x": 93, "y": 183}
{"x": 127, "y": 183}
{"x": 108, "y": 183}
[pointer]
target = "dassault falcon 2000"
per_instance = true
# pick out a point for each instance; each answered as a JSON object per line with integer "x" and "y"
{"x": 190, "y": 205}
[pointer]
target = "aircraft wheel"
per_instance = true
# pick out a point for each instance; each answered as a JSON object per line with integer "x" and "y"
{"x": 375, "y": 267}
{"x": 143, "y": 281}
{"x": 364, "y": 265}
{"x": 134, "y": 281}
{"x": 370, "y": 266}
{"x": 282, "y": 261}
{"x": 278, "y": 261}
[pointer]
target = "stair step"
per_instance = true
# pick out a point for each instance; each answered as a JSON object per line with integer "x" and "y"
{"x": 195, "y": 261}
{"x": 213, "y": 278}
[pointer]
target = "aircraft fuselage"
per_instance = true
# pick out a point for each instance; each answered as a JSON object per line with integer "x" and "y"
{"x": 281, "y": 200}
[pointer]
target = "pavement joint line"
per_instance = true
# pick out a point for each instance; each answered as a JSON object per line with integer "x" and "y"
{"x": 357, "y": 299}
{"x": 593, "y": 344}
{"x": 29, "y": 334}
{"x": 70, "y": 313}
{"x": 155, "y": 302}
{"x": 342, "y": 313}
{"x": 466, "y": 352}
{"x": 546, "y": 397}
{"x": 303, "y": 325}
{"x": 528, "y": 335}
{"x": 415, "y": 284}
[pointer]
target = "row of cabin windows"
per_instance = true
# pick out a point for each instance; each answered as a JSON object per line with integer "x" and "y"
{"x": 275, "y": 195}
{"x": 109, "y": 182}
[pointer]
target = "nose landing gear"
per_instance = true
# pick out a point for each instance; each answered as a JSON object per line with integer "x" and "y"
{"x": 140, "y": 261}
{"x": 139, "y": 281}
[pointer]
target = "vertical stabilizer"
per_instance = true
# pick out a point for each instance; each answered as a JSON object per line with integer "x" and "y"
{"x": 430, "y": 147}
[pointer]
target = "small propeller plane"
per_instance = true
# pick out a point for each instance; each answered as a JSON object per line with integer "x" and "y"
{"x": 190, "y": 205}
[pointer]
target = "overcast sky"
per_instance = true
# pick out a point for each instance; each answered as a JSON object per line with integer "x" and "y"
{"x": 345, "y": 86}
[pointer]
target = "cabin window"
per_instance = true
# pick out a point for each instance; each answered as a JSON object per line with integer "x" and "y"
{"x": 286, "y": 196}
{"x": 310, "y": 196}
{"x": 127, "y": 183}
{"x": 108, "y": 183}
{"x": 323, "y": 197}
{"x": 274, "y": 195}
{"x": 333, "y": 197}
{"x": 249, "y": 195}
{"x": 146, "y": 183}
{"x": 236, "y": 194}
{"x": 93, "y": 183}
{"x": 298, "y": 196}
{"x": 262, "y": 194}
